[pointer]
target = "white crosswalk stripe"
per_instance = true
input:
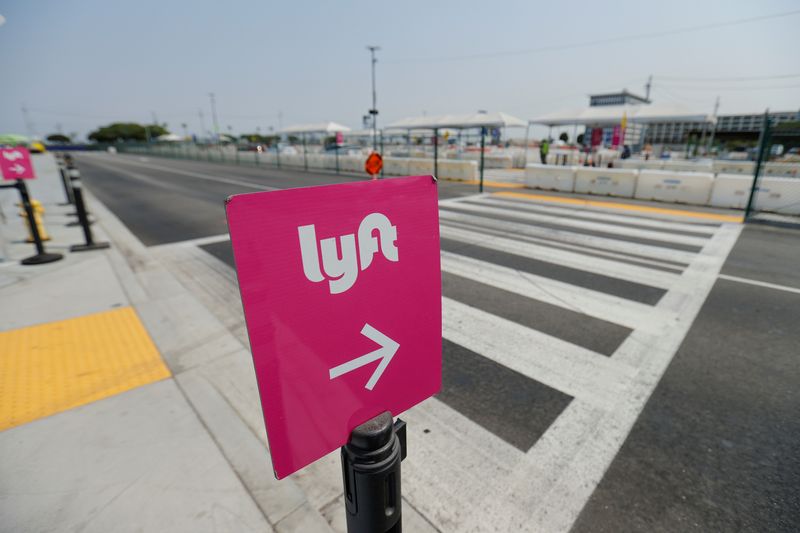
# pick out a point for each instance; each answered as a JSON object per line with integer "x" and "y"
{"x": 544, "y": 488}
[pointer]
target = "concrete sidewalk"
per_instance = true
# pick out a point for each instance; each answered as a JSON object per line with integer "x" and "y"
{"x": 124, "y": 403}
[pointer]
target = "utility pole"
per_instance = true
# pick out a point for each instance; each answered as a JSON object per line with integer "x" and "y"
{"x": 647, "y": 87}
{"x": 202, "y": 122}
{"x": 214, "y": 114}
{"x": 29, "y": 127}
{"x": 714, "y": 128}
{"x": 374, "y": 110}
{"x": 155, "y": 118}
{"x": 280, "y": 120}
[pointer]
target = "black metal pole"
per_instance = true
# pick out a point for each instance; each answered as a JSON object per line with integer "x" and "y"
{"x": 305, "y": 154}
{"x": 42, "y": 256}
{"x": 67, "y": 187}
{"x": 436, "y": 152}
{"x": 483, "y": 148}
{"x": 371, "y": 476}
{"x": 337, "y": 157}
{"x": 763, "y": 141}
{"x": 83, "y": 218}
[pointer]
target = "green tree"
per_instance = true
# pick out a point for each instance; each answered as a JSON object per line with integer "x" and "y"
{"x": 58, "y": 138}
{"x": 126, "y": 131}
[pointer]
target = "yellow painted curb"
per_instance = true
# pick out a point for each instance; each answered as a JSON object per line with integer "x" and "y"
{"x": 49, "y": 368}
{"x": 617, "y": 205}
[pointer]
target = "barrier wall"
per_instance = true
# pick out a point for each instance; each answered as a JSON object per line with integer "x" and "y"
{"x": 679, "y": 187}
{"x": 395, "y": 166}
{"x": 687, "y": 166}
{"x": 733, "y": 167}
{"x": 458, "y": 170}
{"x": 605, "y": 181}
{"x": 731, "y": 190}
{"x": 788, "y": 170}
{"x": 550, "y": 177}
{"x": 779, "y": 195}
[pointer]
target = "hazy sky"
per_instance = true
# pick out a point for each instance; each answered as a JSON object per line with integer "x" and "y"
{"x": 78, "y": 64}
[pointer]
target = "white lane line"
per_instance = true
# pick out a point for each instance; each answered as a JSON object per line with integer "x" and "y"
{"x": 200, "y": 241}
{"x": 596, "y": 265}
{"x": 571, "y": 369}
{"x": 589, "y": 225}
{"x": 768, "y": 285}
{"x": 600, "y": 305}
{"x": 197, "y": 175}
{"x": 585, "y": 213}
{"x": 460, "y": 199}
{"x": 578, "y": 239}
{"x": 564, "y": 467}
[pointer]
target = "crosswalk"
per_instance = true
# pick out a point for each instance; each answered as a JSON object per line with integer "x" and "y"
{"x": 576, "y": 310}
{"x": 559, "y": 320}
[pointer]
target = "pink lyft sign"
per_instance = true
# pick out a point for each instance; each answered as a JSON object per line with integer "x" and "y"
{"x": 16, "y": 164}
{"x": 341, "y": 287}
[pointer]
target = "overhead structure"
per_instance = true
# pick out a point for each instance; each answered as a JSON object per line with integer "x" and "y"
{"x": 316, "y": 127}
{"x": 482, "y": 120}
{"x": 613, "y": 114}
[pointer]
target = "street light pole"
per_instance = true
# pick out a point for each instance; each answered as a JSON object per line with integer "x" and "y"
{"x": 214, "y": 114}
{"x": 374, "y": 110}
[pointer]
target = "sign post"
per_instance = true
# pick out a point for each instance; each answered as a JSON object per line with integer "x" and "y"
{"x": 341, "y": 289}
{"x": 16, "y": 165}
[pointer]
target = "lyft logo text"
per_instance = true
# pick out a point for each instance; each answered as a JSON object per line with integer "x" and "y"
{"x": 375, "y": 233}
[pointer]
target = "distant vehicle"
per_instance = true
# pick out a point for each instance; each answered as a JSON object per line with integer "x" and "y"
{"x": 36, "y": 147}
{"x": 346, "y": 149}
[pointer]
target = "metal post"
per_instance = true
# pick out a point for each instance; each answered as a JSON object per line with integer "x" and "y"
{"x": 382, "y": 151}
{"x": 435, "y": 152}
{"x": 527, "y": 132}
{"x": 278, "y": 152}
{"x": 67, "y": 187}
{"x": 337, "y": 157}
{"x": 374, "y": 110}
{"x": 483, "y": 146}
{"x": 371, "y": 476}
{"x": 305, "y": 154}
{"x": 41, "y": 256}
{"x": 763, "y": 141}
{"x": 83, "y": 218}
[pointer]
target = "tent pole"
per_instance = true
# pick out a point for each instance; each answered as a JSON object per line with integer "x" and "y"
{"x": 435, "y": 152}
{"x": 305, "y": 156}
{"x": 527, "y": 132}
{"x": 483, "y": 146}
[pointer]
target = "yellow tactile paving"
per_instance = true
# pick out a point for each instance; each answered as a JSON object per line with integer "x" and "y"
{"x": 49, "y": 368}
{"x": 493, "y": 184}
{"x": 619, "y": 205}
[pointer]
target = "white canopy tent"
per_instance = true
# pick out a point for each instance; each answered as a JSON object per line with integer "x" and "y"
{"x": 316, "y": 127}
{"x": 458, "y": 122}
{"x": 613, "y": 114}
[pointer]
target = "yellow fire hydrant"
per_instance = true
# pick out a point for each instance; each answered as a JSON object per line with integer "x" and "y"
{"x": 38, "y": 211}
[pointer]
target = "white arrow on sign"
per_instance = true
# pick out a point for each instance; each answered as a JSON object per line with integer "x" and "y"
{"x": 19, "y": 169}
{"x": 13, "y": 156}
{"x": 387, "y": 349}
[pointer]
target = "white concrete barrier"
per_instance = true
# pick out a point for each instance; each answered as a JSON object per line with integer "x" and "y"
{"x": 420, "y": 167}
{"x": 679, "y": 187}
{"x": 778, "y": 195}
{"x": 606, "y": 181}
{"x": 458, "y": 170}
{"x": 687, "y": 166}
{"x": 787, "y": 170}
{"x": 652, "y": 164}
{"x": 351, "y": 163}
{"x": 550, "y": 177}
{"x": 731, "y": 190}
{"x": 721, "y": 166}
{"x": 395, "y": 166}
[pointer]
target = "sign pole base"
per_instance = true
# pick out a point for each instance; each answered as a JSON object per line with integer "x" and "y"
{"x": 371, "y": 475}
{"x": 89, "y": 247}
{"x": 40, "y": 259}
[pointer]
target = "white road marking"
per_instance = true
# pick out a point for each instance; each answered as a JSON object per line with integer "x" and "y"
{"x": 201, "y": 241}
{"x": 571, "y": 369}
{"x": 768, "y": 285}
{"x": 606, "y": 267}
{"x": 628, "y": 313}
{"x": 564, "y": 467}
{"x": 608, "y": 217}
{"x": 589, "y": 225}
{"x": 573, "y": 238}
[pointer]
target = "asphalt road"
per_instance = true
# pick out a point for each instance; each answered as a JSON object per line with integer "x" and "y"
{"x": 558, "y": 325}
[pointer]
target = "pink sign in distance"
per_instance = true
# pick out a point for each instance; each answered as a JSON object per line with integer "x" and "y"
{"x": 341, "y": 287}
{"x": 16, "y": 164}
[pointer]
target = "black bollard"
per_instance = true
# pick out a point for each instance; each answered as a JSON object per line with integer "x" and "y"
{"x": 41, "y": 256}
{"x": 371, "y": 476}
{"x": 83, "y": 219}
{"x": 67, "y": 186}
